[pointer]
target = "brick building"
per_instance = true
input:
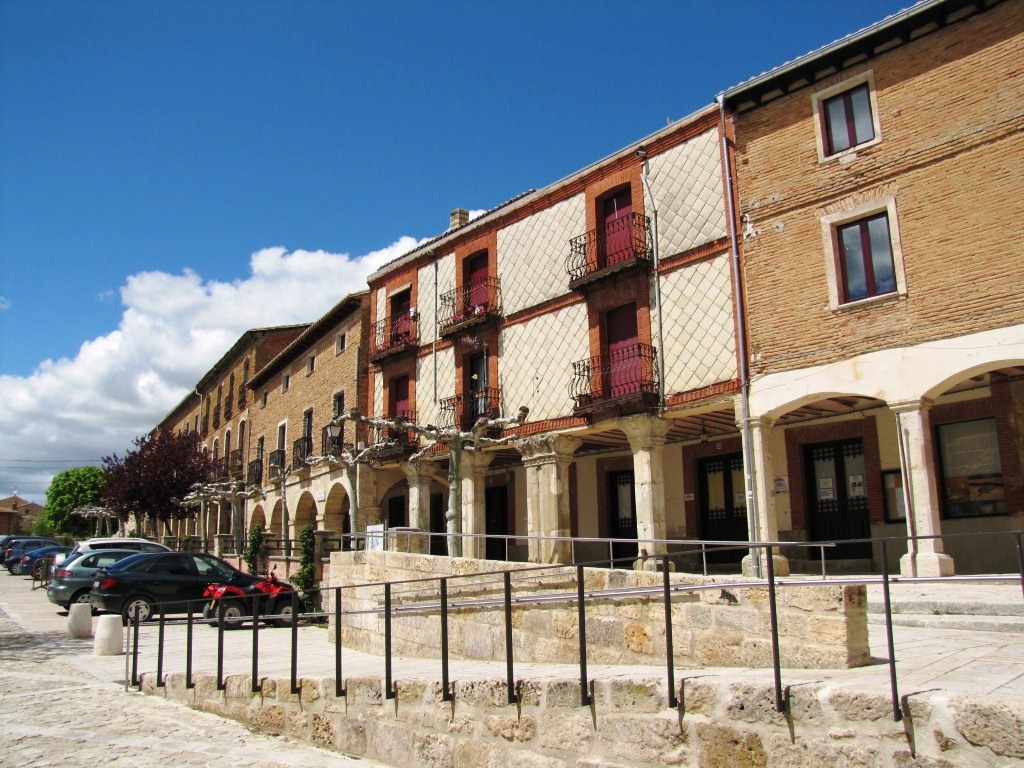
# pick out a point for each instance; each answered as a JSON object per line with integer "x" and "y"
{"x": 878, "y": 184}
{"x": 562, "y": 300}
{"x": 319, "y": 375}
{"x": 219, "y": 409}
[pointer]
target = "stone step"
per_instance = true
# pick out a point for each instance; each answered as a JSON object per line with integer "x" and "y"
{"x": 951, "y": 607}
{"x": 966, "y": 622}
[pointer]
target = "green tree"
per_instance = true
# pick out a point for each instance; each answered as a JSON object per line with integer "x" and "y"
{"x": 70, "y": 489}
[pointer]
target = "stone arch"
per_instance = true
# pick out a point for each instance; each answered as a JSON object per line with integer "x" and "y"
{"x": 258, "y": 518}
{"x": 274, "y": 527}
{"x": 305, "y": 512}
{"x": 963, "y": 375}
{"x": 337, "y": 510}
{"x": 389, "y": 504}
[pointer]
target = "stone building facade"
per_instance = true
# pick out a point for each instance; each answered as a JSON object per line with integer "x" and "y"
{"x": 878, "y": 182}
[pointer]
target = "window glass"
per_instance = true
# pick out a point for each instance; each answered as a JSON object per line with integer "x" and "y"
{"x": 171, "y": 565}
{"x": 881, "y": 255}
{"x": 867, "y": 261}
{"x": 848, "y": 119}
{"x": 209, "y": 566}
{"x": 89, "y": 562}
{"x": 972, "y": 475}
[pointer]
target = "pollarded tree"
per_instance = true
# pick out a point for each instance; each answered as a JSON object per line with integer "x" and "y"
{"x": 148, "y": 482}
{"x": 69, "y": 490}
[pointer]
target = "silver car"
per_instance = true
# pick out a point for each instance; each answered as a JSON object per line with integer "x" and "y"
{"x": 72, "y": 579}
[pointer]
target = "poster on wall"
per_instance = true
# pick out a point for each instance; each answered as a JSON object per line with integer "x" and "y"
{"x": 375, "y": 537}
{"x": 856, "y": 486}
{"x": 826, "y": 492}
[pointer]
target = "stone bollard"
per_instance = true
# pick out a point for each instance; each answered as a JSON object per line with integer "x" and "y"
{"x": 79, "y": 621}
{"x": 109, "y": 636}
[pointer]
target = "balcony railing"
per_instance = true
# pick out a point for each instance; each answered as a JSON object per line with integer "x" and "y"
{"x": 220, "y": 468}
{"x": 275, "y": 463}
{"x": 331, "y": 446}
{"x": 393, "y": 336}
{"x": 301, "y": 449}
{"x": 462, "y": 411}
{"x": 405, "y": 441}
{"x": 236, "y": 463}
{"x": 622, "y": 245}
{"x": 228, "y": 405}
{"x": 625, "y": 380}
{"x": 242, "y": 391}
{"x": 472, "y": 304}
{"x": 206, "y": 425}
{"x": 216, "y": 417}
{"x": 254, "y": 473}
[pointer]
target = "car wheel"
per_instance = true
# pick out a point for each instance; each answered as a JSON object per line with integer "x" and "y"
{"x": 81, "y": 596}
{"x": 232, "y": 617}
{"x": 210, "y": 613}
{"x": 286, "y": 616}
{"x": 12, "y": 568}
{"x": 137, "y": 604}
{"x": 38, "y": 572}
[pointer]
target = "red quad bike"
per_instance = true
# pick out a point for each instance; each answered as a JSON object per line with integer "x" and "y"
{"x": 274, "y": 598}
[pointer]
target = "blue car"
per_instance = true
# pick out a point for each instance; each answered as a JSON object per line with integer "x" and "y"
{"x": 30, "y": 562}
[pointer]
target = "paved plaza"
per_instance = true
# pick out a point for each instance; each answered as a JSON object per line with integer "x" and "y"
{"x": 62, "y": 704}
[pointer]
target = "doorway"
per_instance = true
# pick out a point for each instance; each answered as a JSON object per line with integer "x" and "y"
{"x": 622, "y": 518}
{"x": 837, "y": 498}
{"x": 496, "y": 521}
{"x": 722, "y": 505}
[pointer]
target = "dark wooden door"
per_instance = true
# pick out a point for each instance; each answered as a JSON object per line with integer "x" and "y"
{"x": 722, "y": 505}
{"x": 438, "y": 525}
{"x": 496, "y": 520}
{"x": 622, "y": 517}
{"x": 400, "y": 396}
{"x": 622, "y": 364}
{"x": 396, "y": 512}
{"x": 400, "y": 324}
{"x": 837, "y": 499}
{"x": 618, "y": 230}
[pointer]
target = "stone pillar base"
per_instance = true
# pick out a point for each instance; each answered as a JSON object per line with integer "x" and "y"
{"x": 926, "y": 564}
{"x": 652, "y": 564}
{"x": 779, "y": 563}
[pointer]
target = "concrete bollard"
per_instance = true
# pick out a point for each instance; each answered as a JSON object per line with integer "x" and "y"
{"x": 109, "y": 636}
{"x": 79, "y": 621}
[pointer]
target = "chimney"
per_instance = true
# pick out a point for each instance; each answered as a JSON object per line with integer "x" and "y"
{"x": 458, "y": 217}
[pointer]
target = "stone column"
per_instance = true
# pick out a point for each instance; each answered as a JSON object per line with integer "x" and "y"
{"x": 924, "y": 557}
{"x": 646, "y": 435}
{"x": 474, "y": 510}
{"x": 761, "y": 500}
{"x": 366, "y": 502}
{"x": 419, "y": 475}
{"x": 547, "y": 459}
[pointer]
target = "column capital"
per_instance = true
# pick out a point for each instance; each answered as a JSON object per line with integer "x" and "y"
{"x": 476, "y": 462}
{"x": 546, "y": 448}
{"x": 763, "y": 423}
{"x": 645, "y": 432}
{"x": 419, "y": 471}
{"x": 922, "y": 405}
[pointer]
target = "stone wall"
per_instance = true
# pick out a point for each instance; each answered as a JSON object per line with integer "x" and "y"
{"x": 819, "y": 627}
{"x": 628, "y": 725}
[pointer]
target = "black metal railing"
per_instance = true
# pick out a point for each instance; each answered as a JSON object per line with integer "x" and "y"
{"x": 403, "y": 441}
{"x": 205, "y": 425}
{"x": 236, "y": 463}
{"x": 394, "y": 335}
{"x": 623, "y": 376}
{"x": 216, "y": 417}
{"x": 462, "y": 411}
{"x": 301, "y": 450}
{"x": 276, "y": 463}
{"x": 242, "y": 391}
{"x": 331, "y": 446}
{"x": 494, "y": 590}
{"x": 622, "y": 244}
{"x": 254, "y": 473}
{"x": 220, "y": 468}
{"x": 469, "y": 305}
{"x": 228, "y": 404}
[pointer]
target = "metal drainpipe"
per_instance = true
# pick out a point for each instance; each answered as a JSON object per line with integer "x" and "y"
{"x": 753, "y": 521}
{"x": 433, "y": 343}
{"x": 657, "y": 281}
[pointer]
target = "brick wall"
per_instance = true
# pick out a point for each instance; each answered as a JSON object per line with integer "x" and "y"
{"x": 950, "y": 153}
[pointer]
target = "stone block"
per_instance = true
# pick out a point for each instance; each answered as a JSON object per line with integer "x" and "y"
{"x": 718, "y": 649}
{"x": 632, "y": 695}
{"x": 638, "y": 638}
{"x": 475, "y": 754}
{"x": 903, "y": 758}
{"x": 562, "y": 693}
{"x": 270, "y": 719}
{"x": 511, "y": 727}
{"x": 754, "y": 704}
{"x": 814, "y": 598}
{"x": 720, "y": 745}
{"x": 390, "y": 743}
{"x": 367, "y": 691}
{"x": 238, "y": 687}
{"x": 741, "y": 620}
{"x": 827, "y": 630}
{"x": 321, "y": 730}
{"x": 859, "y": 706}
{"x": 698, "y": 697}
{"x": 350, "y": 736}
{"x": 433, "y": 750}
{"x": 654, "y": 740}
{"x": 785, "y": 753}
{"x": 572, "y": 733}
{"x": 991, "y": 722}
{"x": 482, "y": 693}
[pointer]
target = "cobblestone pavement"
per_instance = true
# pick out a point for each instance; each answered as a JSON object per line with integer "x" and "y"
{"x": 56, "y": 714}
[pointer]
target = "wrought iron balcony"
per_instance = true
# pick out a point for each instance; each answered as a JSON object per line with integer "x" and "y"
{"x": 236, "y": 463}
{"x": 301, "y": 449}
{"x": 242, "y": 391}
{"x": 254, "y": 473}
{"x": 220, "y": 468}
{"x": 216, "y": 417}
{"x": 473, "y": 304}
{"x": 394, "y": 336}
{"x": 331, "y": 446}
{"x": 625, "y": 381}
{"x": 228, "y": 404}
{"x": 623, "y": 245}
{"x": 206, "y": 425}
{"x": 275, "y": 464}
{"x": 462, "y": 411}
{"x": 405, "y": 441}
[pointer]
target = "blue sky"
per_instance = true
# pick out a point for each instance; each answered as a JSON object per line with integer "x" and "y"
{"x": 173, "y": 172}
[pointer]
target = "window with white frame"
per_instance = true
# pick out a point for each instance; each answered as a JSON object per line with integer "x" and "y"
{"x": 339, "y": 403}
{"x": 846, "y": 117}
{"x": 286, "y": 381}
{"x": 310, "y": 364}
{"x": 863, "y": 256}
{"x": 339, "y": 343}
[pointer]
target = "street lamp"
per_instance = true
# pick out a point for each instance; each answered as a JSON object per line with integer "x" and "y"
{"x": 333, "y": 429}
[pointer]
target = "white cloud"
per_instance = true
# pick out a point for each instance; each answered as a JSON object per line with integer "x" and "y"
{"x": 5, "y": 303}
{"x": 174, "y": 327}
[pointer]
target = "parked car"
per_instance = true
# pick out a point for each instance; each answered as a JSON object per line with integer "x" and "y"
{"x": 32, "y": 561}
{"x": 119, "y": 542}
{"x": 18, "y": 547}
{"x": 72, "y": 579}
{"x": 171, "y": 579}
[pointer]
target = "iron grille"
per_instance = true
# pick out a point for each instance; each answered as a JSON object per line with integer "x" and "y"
{"x": 301, "y": 449}
{"x": 462, "y": 411}
{"x": 393, "y": 335}
{"x": 627, "y": 373}
{"x": 621, "y": 244}
{"x": 471, "y": 304}
{"x": 254, "y": 475}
